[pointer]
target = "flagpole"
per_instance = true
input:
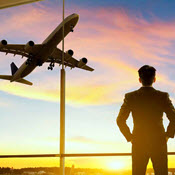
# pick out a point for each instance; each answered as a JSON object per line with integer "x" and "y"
{"x": 62, "y": 106}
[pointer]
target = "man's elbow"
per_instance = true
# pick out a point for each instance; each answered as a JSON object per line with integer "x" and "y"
{"x": 172, "y": 121}
{"x": 119, "y": 122}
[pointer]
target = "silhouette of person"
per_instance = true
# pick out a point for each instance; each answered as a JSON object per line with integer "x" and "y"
{"x": 148, "y": 138}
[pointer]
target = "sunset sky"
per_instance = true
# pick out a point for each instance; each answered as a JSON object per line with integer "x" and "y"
{"x": 117, "y": 37}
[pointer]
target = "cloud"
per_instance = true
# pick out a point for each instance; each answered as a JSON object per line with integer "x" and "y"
{"x": 28, "y": 21}
{"x": 81, "y": 139}
{"x": 86, "y": 140}
{"x": 76, "y": 95}
{"x": 117, "y": 44}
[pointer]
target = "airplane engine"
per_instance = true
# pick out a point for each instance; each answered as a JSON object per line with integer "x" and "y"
{"x": 69, "y": 54}
{"x": 29, "y": 46}
{"x": 82, "y": 62}
{"x": 3, "y": 43}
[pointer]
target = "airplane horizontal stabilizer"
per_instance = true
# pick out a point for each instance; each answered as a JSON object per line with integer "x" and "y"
{"x": 9, "y": 77}
{"x": 6, "y": 77}
{"x": 25, "y": 82}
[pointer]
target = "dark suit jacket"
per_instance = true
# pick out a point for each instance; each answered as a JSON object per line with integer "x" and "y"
{"x": 147, "y": 106}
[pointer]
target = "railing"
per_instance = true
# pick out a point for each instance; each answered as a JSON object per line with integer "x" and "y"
{"x": 71, "y": 155}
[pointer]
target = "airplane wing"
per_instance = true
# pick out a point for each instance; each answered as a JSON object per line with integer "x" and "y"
{"x": 19, "y": 49}
{"x": 56, "y": 57}
{"x": 11, "y": 3}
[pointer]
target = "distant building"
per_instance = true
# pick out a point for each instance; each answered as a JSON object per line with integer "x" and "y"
{"x": 80, "y": 173}
{"x": 41, "y": 172}
{"x": 72, "y": 170}
{"x": 87, "y": 173}
{"x": 50, "y": 173}
{"x": 29, "y": 173}
{"x": 34, "y": 173}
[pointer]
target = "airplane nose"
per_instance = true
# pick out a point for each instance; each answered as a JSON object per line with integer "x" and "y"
{"x": 76, "y": 16}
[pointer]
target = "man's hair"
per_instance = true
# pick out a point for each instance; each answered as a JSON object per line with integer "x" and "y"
{"x": 147, "y": 74}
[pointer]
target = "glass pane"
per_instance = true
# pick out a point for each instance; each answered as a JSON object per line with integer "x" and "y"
{"x": 117, "y": 37}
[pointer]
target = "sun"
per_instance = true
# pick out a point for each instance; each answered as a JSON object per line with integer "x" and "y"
{"x": 116, "y": 165}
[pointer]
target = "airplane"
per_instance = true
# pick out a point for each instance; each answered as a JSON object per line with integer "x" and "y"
{"x": 12, "y": 3}
{"x": 47, "y": 52}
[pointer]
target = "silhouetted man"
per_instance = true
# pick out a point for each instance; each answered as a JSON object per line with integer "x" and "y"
{"x": 149, "y": 139}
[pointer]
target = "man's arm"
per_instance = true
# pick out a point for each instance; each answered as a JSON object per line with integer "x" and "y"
{"x": 170, "y": 112}
{"x": 122, "y": 117}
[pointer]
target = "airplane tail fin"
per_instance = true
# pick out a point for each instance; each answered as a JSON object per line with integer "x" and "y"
{"x": 14, "y": 68}
{"x": 9, "y": 77}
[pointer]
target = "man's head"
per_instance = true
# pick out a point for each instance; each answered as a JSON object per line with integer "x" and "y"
{"x": 147, "y": 75}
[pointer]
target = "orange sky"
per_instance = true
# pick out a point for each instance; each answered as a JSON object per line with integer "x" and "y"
{"x": 117, "y": 39}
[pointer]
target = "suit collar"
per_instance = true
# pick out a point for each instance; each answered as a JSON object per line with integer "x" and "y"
{"x": 146, "y": 88}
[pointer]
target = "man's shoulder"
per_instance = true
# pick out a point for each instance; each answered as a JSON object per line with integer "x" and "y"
{"x": 132, "y": 92}
{"x": 128, "y": 94}
{"x": 137, "y": 92}
{"x": 161, "y": 92}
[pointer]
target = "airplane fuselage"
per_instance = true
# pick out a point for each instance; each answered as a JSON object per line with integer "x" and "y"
{"x": 48, "y": 46}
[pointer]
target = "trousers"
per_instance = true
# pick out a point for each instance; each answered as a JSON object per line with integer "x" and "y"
{"x": 157, "y": 152}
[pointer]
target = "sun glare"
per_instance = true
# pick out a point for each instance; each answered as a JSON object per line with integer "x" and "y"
{"x": 116, "y": 165}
